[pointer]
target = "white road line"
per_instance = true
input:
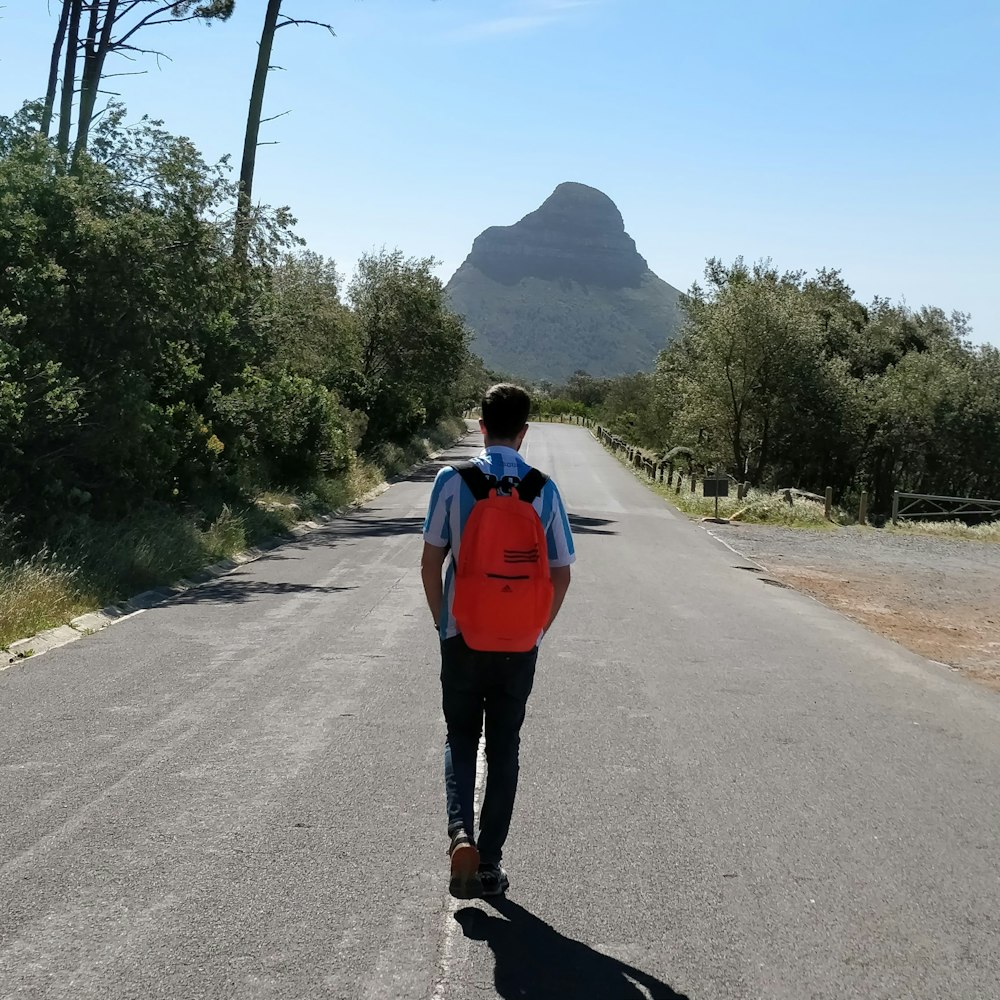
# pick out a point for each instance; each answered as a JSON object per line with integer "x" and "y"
{"x": 451, "y": 929}
{"x": 737, "y": 552}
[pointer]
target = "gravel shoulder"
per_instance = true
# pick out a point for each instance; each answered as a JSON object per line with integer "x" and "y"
{"x": 939, "y": 597}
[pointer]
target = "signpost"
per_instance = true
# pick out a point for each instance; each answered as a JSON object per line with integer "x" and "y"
{"x": 715, "y": 485}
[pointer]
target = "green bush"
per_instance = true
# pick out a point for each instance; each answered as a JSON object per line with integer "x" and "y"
{"x": 152, "y": 387}
{"x": 281, "y": 428}
{"x": 543, "y": 408}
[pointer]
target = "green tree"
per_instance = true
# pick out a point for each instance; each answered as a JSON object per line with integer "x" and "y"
{"x": 123, "y": 306}
{"x": 751, "y": 347}
{"x": 412, "y": 346}
{"x": 315, "y": 334}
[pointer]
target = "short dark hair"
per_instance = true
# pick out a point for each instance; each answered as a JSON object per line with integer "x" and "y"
{"x": 505, "y": 411}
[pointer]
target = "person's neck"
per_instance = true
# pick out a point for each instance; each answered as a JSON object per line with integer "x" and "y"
{"x": 496, "y": 443}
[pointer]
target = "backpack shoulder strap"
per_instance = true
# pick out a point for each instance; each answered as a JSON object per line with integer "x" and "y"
{"x": 474, "y": 478}
{"x": 531, "y": 486}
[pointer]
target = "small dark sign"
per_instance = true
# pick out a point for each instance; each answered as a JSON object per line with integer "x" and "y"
{"x": 714, "y": 486}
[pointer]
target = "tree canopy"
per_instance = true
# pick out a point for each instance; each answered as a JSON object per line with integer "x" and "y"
{"x": 139, "y": 362}
{"x": 785, "y": 379}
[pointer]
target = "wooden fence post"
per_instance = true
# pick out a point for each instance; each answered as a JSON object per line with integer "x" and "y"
{"x": 828, "y": 506}
{"x": 863, "y": 508}
{"x": 895, "y": 506}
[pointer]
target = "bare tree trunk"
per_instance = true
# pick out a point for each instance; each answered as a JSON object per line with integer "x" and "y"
{"x": 50, "y": 90}
{"x": 764, "y": 453}
{"x": 97, "y": 50}
{"x": 244, "y": 206}
{"x": 69, "y": 75}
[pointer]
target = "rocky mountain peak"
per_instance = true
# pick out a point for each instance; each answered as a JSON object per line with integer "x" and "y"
{"x": 577, "y": 234}
{"x": 564, "y": 289}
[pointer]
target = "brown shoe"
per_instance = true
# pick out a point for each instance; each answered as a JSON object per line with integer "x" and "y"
{"x": 464, "y": 882}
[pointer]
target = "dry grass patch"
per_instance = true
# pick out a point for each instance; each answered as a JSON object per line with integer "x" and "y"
{"x": 989, "y": 532}
{"x": 36, "y": 594}
{"x": 757, "y": 507}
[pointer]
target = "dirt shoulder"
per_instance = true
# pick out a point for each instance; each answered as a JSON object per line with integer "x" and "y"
{"x": 939, "y": 597}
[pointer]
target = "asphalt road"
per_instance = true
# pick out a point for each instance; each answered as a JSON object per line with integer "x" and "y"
{"x": 728, "y": 791}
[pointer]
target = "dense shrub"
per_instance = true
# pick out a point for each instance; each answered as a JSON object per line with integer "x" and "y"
{"x": 140, "y": 363}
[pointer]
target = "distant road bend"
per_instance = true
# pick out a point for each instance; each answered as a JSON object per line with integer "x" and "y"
{"x": 728, "y": 791}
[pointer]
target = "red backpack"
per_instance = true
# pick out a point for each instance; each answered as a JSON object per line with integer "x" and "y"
{"x": 503, "y": 593}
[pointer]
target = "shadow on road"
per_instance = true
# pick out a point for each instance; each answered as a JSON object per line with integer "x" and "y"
{"x": 233, "y": 590}
{"x": 425, "y": 474}
{"x": 367, "y": 525}
{"x": 535, "y": 962}
{"x": 590, "y": 525}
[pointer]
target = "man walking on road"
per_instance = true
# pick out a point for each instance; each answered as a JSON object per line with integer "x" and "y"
{"x": 488, "y": 684}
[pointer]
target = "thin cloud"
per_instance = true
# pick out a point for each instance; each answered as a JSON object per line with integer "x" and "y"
{"x": 513, "y": 25}
{"x": 539, "y": 14}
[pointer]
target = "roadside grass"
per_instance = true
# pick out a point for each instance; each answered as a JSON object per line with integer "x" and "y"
{"x": 762, "y": 507}
{"x": 95, "y": 564}
{"x": 36, "y": 594}
{"x": 389, "y": 460}
{"x": 989, "y": 532}
{"x": 91, "y": 565}
{"x": 757, "y": 507}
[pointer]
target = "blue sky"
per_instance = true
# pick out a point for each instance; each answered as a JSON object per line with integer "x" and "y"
{"x": 861, "y": 134}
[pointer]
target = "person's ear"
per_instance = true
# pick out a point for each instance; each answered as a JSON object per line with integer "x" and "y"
{"x": 482, "y": 426}
{"x": 520, "y": 437}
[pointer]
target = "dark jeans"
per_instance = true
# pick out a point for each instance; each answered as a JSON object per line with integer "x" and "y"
{"x": 474, "y": 686}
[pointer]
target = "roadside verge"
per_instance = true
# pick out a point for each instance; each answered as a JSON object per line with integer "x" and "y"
{"x": 94, "y": 621}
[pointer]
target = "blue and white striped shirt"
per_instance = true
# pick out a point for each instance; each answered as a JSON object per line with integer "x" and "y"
{"x": 451, "y": 504}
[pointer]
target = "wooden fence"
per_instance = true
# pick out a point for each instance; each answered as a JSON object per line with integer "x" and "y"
{"x": 922, "y": 506}
{"x": 904, "y": 505}
{"x": 666, "y": 472}
{"x": 679, "y": 476}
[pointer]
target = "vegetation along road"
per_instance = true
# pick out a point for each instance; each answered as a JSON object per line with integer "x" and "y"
{"x": 728, "y": 790}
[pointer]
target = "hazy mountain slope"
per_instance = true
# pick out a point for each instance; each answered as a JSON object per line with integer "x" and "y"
{"x": 564, "y": 289}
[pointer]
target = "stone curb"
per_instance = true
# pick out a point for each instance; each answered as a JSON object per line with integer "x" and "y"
{"x": 51, "y": 638}
{"x": 95, "y": 621}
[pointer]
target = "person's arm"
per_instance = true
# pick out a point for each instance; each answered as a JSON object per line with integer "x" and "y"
{"x": 431, "y": 564}
{"x": 437, "y": 542}
{"x": 560, "y": 576}
{"x": 559, "y": 539}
